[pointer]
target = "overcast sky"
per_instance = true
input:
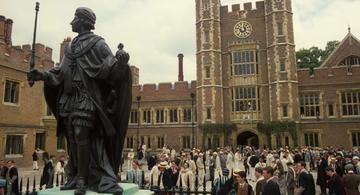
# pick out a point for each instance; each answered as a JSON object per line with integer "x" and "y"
{"x": 155, "y": 31}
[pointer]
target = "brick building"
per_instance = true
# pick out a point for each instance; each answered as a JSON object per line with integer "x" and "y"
{"x": 247, "y": 74}
{"x": 24, "y": 123}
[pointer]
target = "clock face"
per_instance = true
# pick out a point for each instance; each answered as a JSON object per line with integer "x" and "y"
{"x": 242, "y": 29}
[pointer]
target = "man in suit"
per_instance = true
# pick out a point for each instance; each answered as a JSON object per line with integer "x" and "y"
{"x": 259, "y": 180}
{"x": 306, "y": 185}
{"x": 270, "y": 187}
{"x": 351, "y": 181}
{"x": 12, "y": 178}
{"x": 335, "y": 183}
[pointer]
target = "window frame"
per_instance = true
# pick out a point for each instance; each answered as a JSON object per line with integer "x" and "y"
{"x": 6, "y": 79}
{"x": 13, "y": 155}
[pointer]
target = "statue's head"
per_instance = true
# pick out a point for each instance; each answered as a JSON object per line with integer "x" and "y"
{"x": 84, "y": 20}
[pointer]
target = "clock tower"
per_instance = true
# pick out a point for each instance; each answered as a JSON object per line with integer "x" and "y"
{"x": 246, "y": 70}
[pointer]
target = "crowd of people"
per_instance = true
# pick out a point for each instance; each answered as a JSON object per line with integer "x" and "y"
{"x": 241, "y": 171}
{"x": 246, "y": 171}
{"x": 9, "y": 175}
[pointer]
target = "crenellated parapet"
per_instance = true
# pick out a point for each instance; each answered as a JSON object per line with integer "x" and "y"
{"x": 18, "y": 57}
{"x": 164, "y": 91}
{"x": 242, "y": 10}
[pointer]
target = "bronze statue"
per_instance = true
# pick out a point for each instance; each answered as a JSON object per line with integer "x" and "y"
{"x": 89, "y": 94}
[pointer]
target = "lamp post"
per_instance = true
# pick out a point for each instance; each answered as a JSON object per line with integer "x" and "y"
{"x": 192, "y": 95}
{"x": 138, "y": 98}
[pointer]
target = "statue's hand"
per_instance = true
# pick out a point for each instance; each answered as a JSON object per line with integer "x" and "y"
{"x": 35, "y": 75}
{"x": 121, "y": 55}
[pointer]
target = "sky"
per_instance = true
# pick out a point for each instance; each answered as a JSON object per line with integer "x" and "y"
{"x": 155, "y": 31}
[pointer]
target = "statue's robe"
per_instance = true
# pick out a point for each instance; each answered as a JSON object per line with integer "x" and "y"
{"x": 108, "y": 83}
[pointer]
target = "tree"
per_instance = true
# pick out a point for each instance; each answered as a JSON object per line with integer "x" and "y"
{"x": 314, "y": 56}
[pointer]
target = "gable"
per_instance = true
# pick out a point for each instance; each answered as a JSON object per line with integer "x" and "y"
{"x": 349, "y": 47}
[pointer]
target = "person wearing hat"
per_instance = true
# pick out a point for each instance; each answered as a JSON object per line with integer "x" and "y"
{"x": 351, "y": 181}
{"x": 356, "y": 162}
{"x": 83, "y": 93}
{"x": 165, "y": 176}
{"x": 200, "y": 169}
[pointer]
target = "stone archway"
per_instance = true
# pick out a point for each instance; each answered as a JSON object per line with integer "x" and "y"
{"x": 248, "y": 138}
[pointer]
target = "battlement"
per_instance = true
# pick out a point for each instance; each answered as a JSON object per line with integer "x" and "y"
{"x": 259, "y": 8}
{"x": 19, "y": 56}
{"x": 167, "y": 86}
{"x": 179, "y": 90}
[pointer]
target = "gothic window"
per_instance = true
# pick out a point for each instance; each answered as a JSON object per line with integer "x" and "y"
{"x": 282, "y": 65}
{"x": 349, "y": 62}
{"x": 11, "y": 94}
{"x": 207, "y": 36}
{"x": 280, "y": 28}
{"x": 187, "y": 115}
{"x": 147, "y": 116}
{"x": 134, "y": 116}
{"x": 311, "y": 139}
{"x": 244, "y": 63}
{"x": 207, "y": 72}
{"x": 285, "y": 110}
{"x": 355, "y": 138}
{"x": 310, "y": 105}
{"x": 331, "y": 109}
{"x": 185, "y": 142}
{"x": 173, "y": 115}
{"x": 160, "y": 141}
{"x": 129, "y": 142}
{"x": 244, "y": 99}
{"x": 208, "y": 113}
{"x": 160, "y": 116}
{"x": 350, "y": 103}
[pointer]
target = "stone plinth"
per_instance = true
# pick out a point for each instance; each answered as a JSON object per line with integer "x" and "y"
{"x": 129, "y": 189}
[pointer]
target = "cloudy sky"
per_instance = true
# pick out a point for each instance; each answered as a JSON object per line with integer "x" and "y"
{"x": 155, "y": 31}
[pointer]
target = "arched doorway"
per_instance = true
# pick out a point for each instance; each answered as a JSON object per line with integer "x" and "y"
{"x": 248, "y": 138}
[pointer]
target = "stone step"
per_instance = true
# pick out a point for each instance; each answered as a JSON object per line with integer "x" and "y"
{"x": 129, "y": 189}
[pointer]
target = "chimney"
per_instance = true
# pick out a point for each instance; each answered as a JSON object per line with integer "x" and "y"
{"x": 8, "y": 30}
{"x": 181, "y": 74}
{"x": 63, "y": 45}
{"x": 2, "y": 28}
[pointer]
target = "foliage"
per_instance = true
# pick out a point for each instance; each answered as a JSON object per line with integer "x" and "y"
{"x": 314, "y": 56}
{"x": 218, "y": 129}
{"x": 277, "y": 127}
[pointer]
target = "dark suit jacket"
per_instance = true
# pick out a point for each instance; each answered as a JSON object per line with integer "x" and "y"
{"x": 270, "y": 188}
{"x": 307, "y": 182}
{"x": 167, "y": 178}
{"x": 13, "y": 172}
{"x": 259, "y": 186}
{"x": 351, "y": 183}
{"x": 336, "y": 186}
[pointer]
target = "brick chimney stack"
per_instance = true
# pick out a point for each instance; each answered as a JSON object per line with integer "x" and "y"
{"x": 8, "y": 30}
{"x": 63, "y": 45}
{"x": 2, "y": 29}
{"x": 181, "y": 65}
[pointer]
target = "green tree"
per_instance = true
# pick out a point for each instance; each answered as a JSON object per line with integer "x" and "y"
{"x": 314, "y": 56}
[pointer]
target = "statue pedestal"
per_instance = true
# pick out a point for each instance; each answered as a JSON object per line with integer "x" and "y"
{"x": 129, "y": 189}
